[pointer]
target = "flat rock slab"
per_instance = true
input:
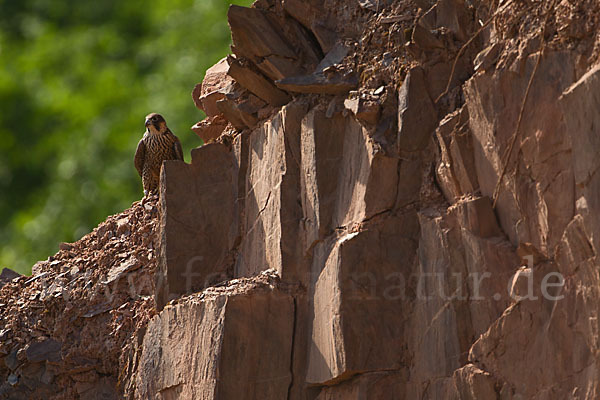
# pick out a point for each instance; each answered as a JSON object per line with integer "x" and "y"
{"x": 197, "y": 222}
{"x": 537, "y": 196}
{"x": 254, "y": 35}
{"x": 417, "y": 118}
{"x": 230, "y": 346}
{"x": 357, "y": 303}
{"x": 272, "y": 213}
{"x": 344, "y": 178}
{"x": 257, "y": 84}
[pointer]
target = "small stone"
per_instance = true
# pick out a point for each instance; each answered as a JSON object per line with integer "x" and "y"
{"x": 22, "y": 353}
{"x": 37, "y": 267}
{"x": 65, "y": 246}
{"x": 13, "y": 379}
{"x": 4, "y": 334}
{"x": 123, "y": 227}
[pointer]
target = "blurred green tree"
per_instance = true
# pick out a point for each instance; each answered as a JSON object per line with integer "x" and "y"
{"x": 76, "y": 80}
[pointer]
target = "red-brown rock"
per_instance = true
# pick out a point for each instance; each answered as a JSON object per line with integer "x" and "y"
{"x": 215, "y": 85}
{"x": 353, "y": 183}
{"x": 319, "y": 83}
{"x": 417, "y": 117}
{"x": 272, "y": 212}
{"x": 196, "y": 237}
{"x": 257, "y": 84}
{"x": 346, "y": 335}
{"x": 547, "y": 189}
{"x": 196, "y": 349}
{"x": 210, "y": 128}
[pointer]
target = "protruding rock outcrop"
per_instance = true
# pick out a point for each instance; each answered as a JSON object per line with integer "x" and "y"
{"x": 249, "y": 322}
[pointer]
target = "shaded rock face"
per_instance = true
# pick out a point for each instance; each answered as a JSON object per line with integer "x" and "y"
{"x": 374, "y": 221}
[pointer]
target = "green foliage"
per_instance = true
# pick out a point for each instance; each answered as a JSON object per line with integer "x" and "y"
{"x": 76, "y": 80}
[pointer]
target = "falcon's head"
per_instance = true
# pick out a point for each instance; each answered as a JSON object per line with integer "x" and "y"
{"x": 156, "y": 124}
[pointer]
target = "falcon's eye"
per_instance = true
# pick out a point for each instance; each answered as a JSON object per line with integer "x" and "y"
{"x": 154, "y": 119}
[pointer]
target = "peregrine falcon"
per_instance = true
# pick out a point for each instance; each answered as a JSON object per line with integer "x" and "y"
{"x": 157, "y": 145}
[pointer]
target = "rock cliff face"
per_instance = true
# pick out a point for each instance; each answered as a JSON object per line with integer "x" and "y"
{"x": 397, "y": 200}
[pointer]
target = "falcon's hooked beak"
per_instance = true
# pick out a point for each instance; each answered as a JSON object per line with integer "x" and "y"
{"x": 148, "y": 122}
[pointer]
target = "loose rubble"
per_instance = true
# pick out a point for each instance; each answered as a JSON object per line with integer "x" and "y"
{"x": 65, "y": 331}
